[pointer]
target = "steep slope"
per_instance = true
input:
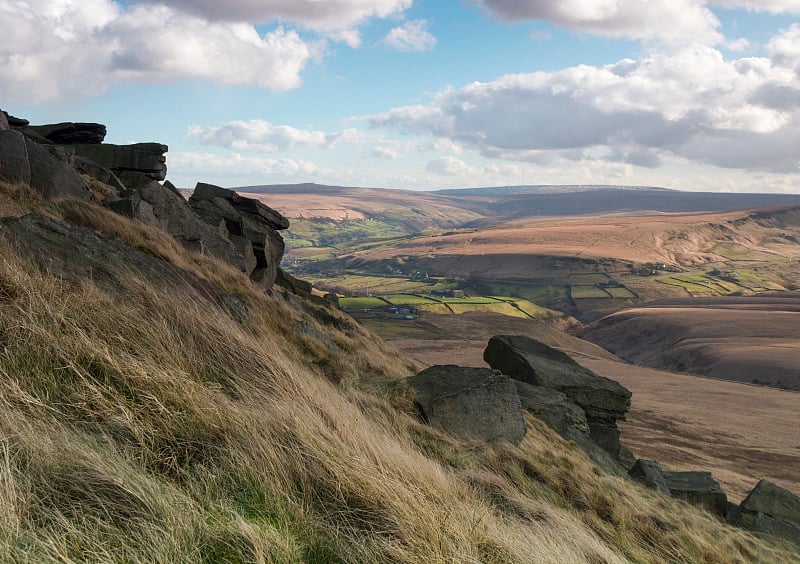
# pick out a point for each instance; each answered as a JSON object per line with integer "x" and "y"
{"x": 143, "y": 422}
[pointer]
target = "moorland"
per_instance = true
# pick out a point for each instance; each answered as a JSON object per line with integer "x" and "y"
{"x": 722, "y": 269}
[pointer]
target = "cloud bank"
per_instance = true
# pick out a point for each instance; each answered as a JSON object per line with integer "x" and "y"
{"x": 690, "y": 103}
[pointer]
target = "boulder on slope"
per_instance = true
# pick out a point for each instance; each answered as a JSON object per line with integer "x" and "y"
{"x": 535, "y": 363}
{"x": 470, "y": 403}
{"x": 249, "y": 224}
{"x": 164, "y": 207}
{"x": 650, "y": 474}
{"x": 697, "y": 488}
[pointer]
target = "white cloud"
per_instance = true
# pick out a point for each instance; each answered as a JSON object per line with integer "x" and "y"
{"x": 383, "y": 152}
{"x": 411, "y": 36}
{"x": 62, "y": 48}
{"x": 316, "y": 14}
{"x": 690, "y": 103}
{"x": 784, "y": 48}
{"x": 662, "y": 20}
{"x": 257, "y": 136}
{"x": 260, "y": 136}
{"x": 772, "y": 6}
{"x": 451, "y": 166}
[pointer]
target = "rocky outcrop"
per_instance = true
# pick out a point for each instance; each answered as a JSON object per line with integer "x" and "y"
{"x": 470, "y": 403}
{"x": 552, "y": 407}
{"x": 15, "y": 121}
{"x": 603, "y": 401}
{"x": 3, "y": 121}
{"x": 649, "y": 474}
{"x": 164, "y": 207}
{"x": 23, "y": 160}
{"x": 697, "y": 488}
{"x": 249, "y": 224}
{"x": 53, "y": 177}
{"x": 145, "y": 158}
{"x": 75, "y": 253}
{"x": 769, "y": 509}
{"x": 68, "y": 133}
{"x": 14, "y": 164}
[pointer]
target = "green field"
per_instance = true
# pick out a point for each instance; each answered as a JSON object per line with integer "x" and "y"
{"x": 587, "y": 293}
{"x": 471, "y": 300}
{"x": 408, "y": 299}
{"x": 361, "y": 303}
{"x": 620, "y": 293}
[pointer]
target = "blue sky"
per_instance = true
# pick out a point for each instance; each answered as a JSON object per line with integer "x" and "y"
{"x": 423, "y": 94}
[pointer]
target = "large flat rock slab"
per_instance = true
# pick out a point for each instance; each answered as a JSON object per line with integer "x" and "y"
{"x": 470, "y": 403}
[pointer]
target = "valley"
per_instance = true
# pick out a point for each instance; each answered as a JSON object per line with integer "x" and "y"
{"x": 644, "y": 286}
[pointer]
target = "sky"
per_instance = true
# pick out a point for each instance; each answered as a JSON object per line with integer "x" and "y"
{"x": 700, "y": 95}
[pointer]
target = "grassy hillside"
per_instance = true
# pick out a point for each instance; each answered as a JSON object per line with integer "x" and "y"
{"x": 145, "y": 424}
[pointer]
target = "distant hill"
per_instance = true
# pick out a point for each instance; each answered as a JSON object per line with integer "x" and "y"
{"x": 503, "y": 203}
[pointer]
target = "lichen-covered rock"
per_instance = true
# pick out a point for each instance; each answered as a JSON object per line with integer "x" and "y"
{"x": 14, "y": 165}
{"x": 697, "y": 488}
{"x": 250, "y": 225}
{"x": 52, "y": 176}
{"x": 470, "y": 403}
{"x": 70, "y": 133}
{"x": 650, "y": 474}
{"x": 146, "y": 158}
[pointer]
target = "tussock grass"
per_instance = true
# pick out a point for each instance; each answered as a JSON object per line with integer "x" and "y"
{"x": 153, "y": 427}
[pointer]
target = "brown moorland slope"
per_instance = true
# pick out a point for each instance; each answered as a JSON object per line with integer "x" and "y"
{"x": 676, "y": 239}
{"x": 747, "y": 339}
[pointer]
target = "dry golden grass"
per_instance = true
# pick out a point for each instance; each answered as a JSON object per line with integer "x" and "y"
{"x": 148, "y": 426}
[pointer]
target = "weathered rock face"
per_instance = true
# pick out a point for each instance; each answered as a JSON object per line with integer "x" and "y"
{"x": 697, "y": 488}
{"x": 52, "y": 176}
{"x": 533, "y": 362}
{"x": 774, "y": 501}
{"x": 77, "y": 253}
{"x": 249, "y": 224}
{"x": 15, "y": 121}
{"x": 3, "y": 121}
{"x": 70, "y": 133}
{"x": 603, "y": 401}
{"x": 165, "y": 208}
{"x": 769, "y": 509}
{"x": 14, "y": 165}
{"x": 471, "y": 403}
{"x": 650, "y": 474}
{"x": 146, "y": 158}
{"x": 552, "y": 407}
